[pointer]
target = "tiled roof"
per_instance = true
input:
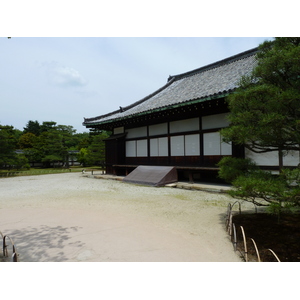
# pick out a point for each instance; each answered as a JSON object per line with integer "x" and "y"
{"x": 214, "y": 80}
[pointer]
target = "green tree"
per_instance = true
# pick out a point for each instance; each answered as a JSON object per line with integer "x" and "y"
{"x": 82, "y": 140}
{"x": 8, "y": 146}
{"x": 265, "y": 110}
{"x": 49, "y": 143}
{"x": 279, "y": 193}
{"x": 21, "y": 162}
{"x": 51, "y": 148}
{"x": 93, "y": 152}
{"x": 69, "y": 141}
{"x": 264, "y": 117}
{"x": 96, "y": 155}
{"x": 47, "y": 125}
{"x": 231, "y": 168}
{"x": 27, "y": 140}
{"x": 34, "y": 155}
{"x": 82, "y": 157}
{"x": 33, "y": 127}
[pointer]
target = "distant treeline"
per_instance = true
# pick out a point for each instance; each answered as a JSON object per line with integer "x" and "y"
{"x": 49, "y": 144}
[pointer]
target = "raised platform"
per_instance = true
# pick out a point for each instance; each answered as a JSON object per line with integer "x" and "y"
{"x": 124, "y": 170}
{"x": 152, "y": 175}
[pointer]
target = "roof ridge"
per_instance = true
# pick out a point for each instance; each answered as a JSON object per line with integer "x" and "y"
{"x": 214, "y": 65}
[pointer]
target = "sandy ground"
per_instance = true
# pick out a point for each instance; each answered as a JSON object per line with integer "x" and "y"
{"x": 70, "y": 218}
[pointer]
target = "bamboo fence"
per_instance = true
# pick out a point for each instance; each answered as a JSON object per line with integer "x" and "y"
{"x": 233, "y": 233}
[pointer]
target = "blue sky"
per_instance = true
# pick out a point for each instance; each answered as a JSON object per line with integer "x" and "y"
{"x": 67, "y": 79}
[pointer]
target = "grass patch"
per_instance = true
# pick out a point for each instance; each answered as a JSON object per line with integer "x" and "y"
{"x": 38, "y": 171}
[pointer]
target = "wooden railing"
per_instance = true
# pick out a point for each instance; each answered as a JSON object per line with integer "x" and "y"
{"x": 232, "y": 231}
{"x": 5, "y": 252}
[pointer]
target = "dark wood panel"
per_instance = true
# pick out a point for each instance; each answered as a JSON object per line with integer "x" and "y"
{"x": 212, "y": 160}
{"x": 159, "y": 160}
{"x": 136, "y": 161}
{"x": 185, "y": 160}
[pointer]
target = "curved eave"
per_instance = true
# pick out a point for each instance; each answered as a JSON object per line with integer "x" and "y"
{"x": 163, "y": 108}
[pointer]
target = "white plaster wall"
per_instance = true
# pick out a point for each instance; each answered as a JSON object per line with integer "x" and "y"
{"x": 118, "y": 130}
{"x": 215, "y": 121}
{"x": 271, "y": 158}
{"x": 136, "y": 132}
{"x": 184, "y": 125}
{"x": 158, "y": 129}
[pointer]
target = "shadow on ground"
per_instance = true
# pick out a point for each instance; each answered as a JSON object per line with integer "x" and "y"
{"x": 43, "y": 244}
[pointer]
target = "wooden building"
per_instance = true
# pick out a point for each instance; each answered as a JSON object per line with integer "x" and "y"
{"x": 178, "y": 125}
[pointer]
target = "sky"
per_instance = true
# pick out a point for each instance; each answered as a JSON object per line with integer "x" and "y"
{"x": 65, "y": 79}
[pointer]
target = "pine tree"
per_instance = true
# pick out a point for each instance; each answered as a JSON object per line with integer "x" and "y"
{"x": 265, "y": 110}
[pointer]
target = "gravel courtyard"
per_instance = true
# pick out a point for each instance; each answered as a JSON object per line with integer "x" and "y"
{"x": 69, "y": 218}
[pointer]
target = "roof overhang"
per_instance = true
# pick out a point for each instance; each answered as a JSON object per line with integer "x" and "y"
{"x": 107, "y": 123}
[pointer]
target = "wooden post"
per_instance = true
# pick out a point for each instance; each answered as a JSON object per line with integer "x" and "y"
{"x": 245, "y": 243}
{"x": 258, "y": 257}
{"x": 274, "y": 254}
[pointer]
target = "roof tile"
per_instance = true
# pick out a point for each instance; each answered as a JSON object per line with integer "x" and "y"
{"x": 219, "y": 78}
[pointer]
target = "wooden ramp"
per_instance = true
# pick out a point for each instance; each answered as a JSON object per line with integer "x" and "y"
{"x": 152, "y": 175}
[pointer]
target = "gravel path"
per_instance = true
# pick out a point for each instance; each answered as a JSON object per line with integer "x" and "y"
{"x": 69, "y": 217}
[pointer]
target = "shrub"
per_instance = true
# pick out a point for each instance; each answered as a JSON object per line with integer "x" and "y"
{"x": 231, "y": 168}
{"x": 280, "y": 193}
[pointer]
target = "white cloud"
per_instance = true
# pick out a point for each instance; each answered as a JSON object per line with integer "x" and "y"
{"x": 64, "y": 76}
